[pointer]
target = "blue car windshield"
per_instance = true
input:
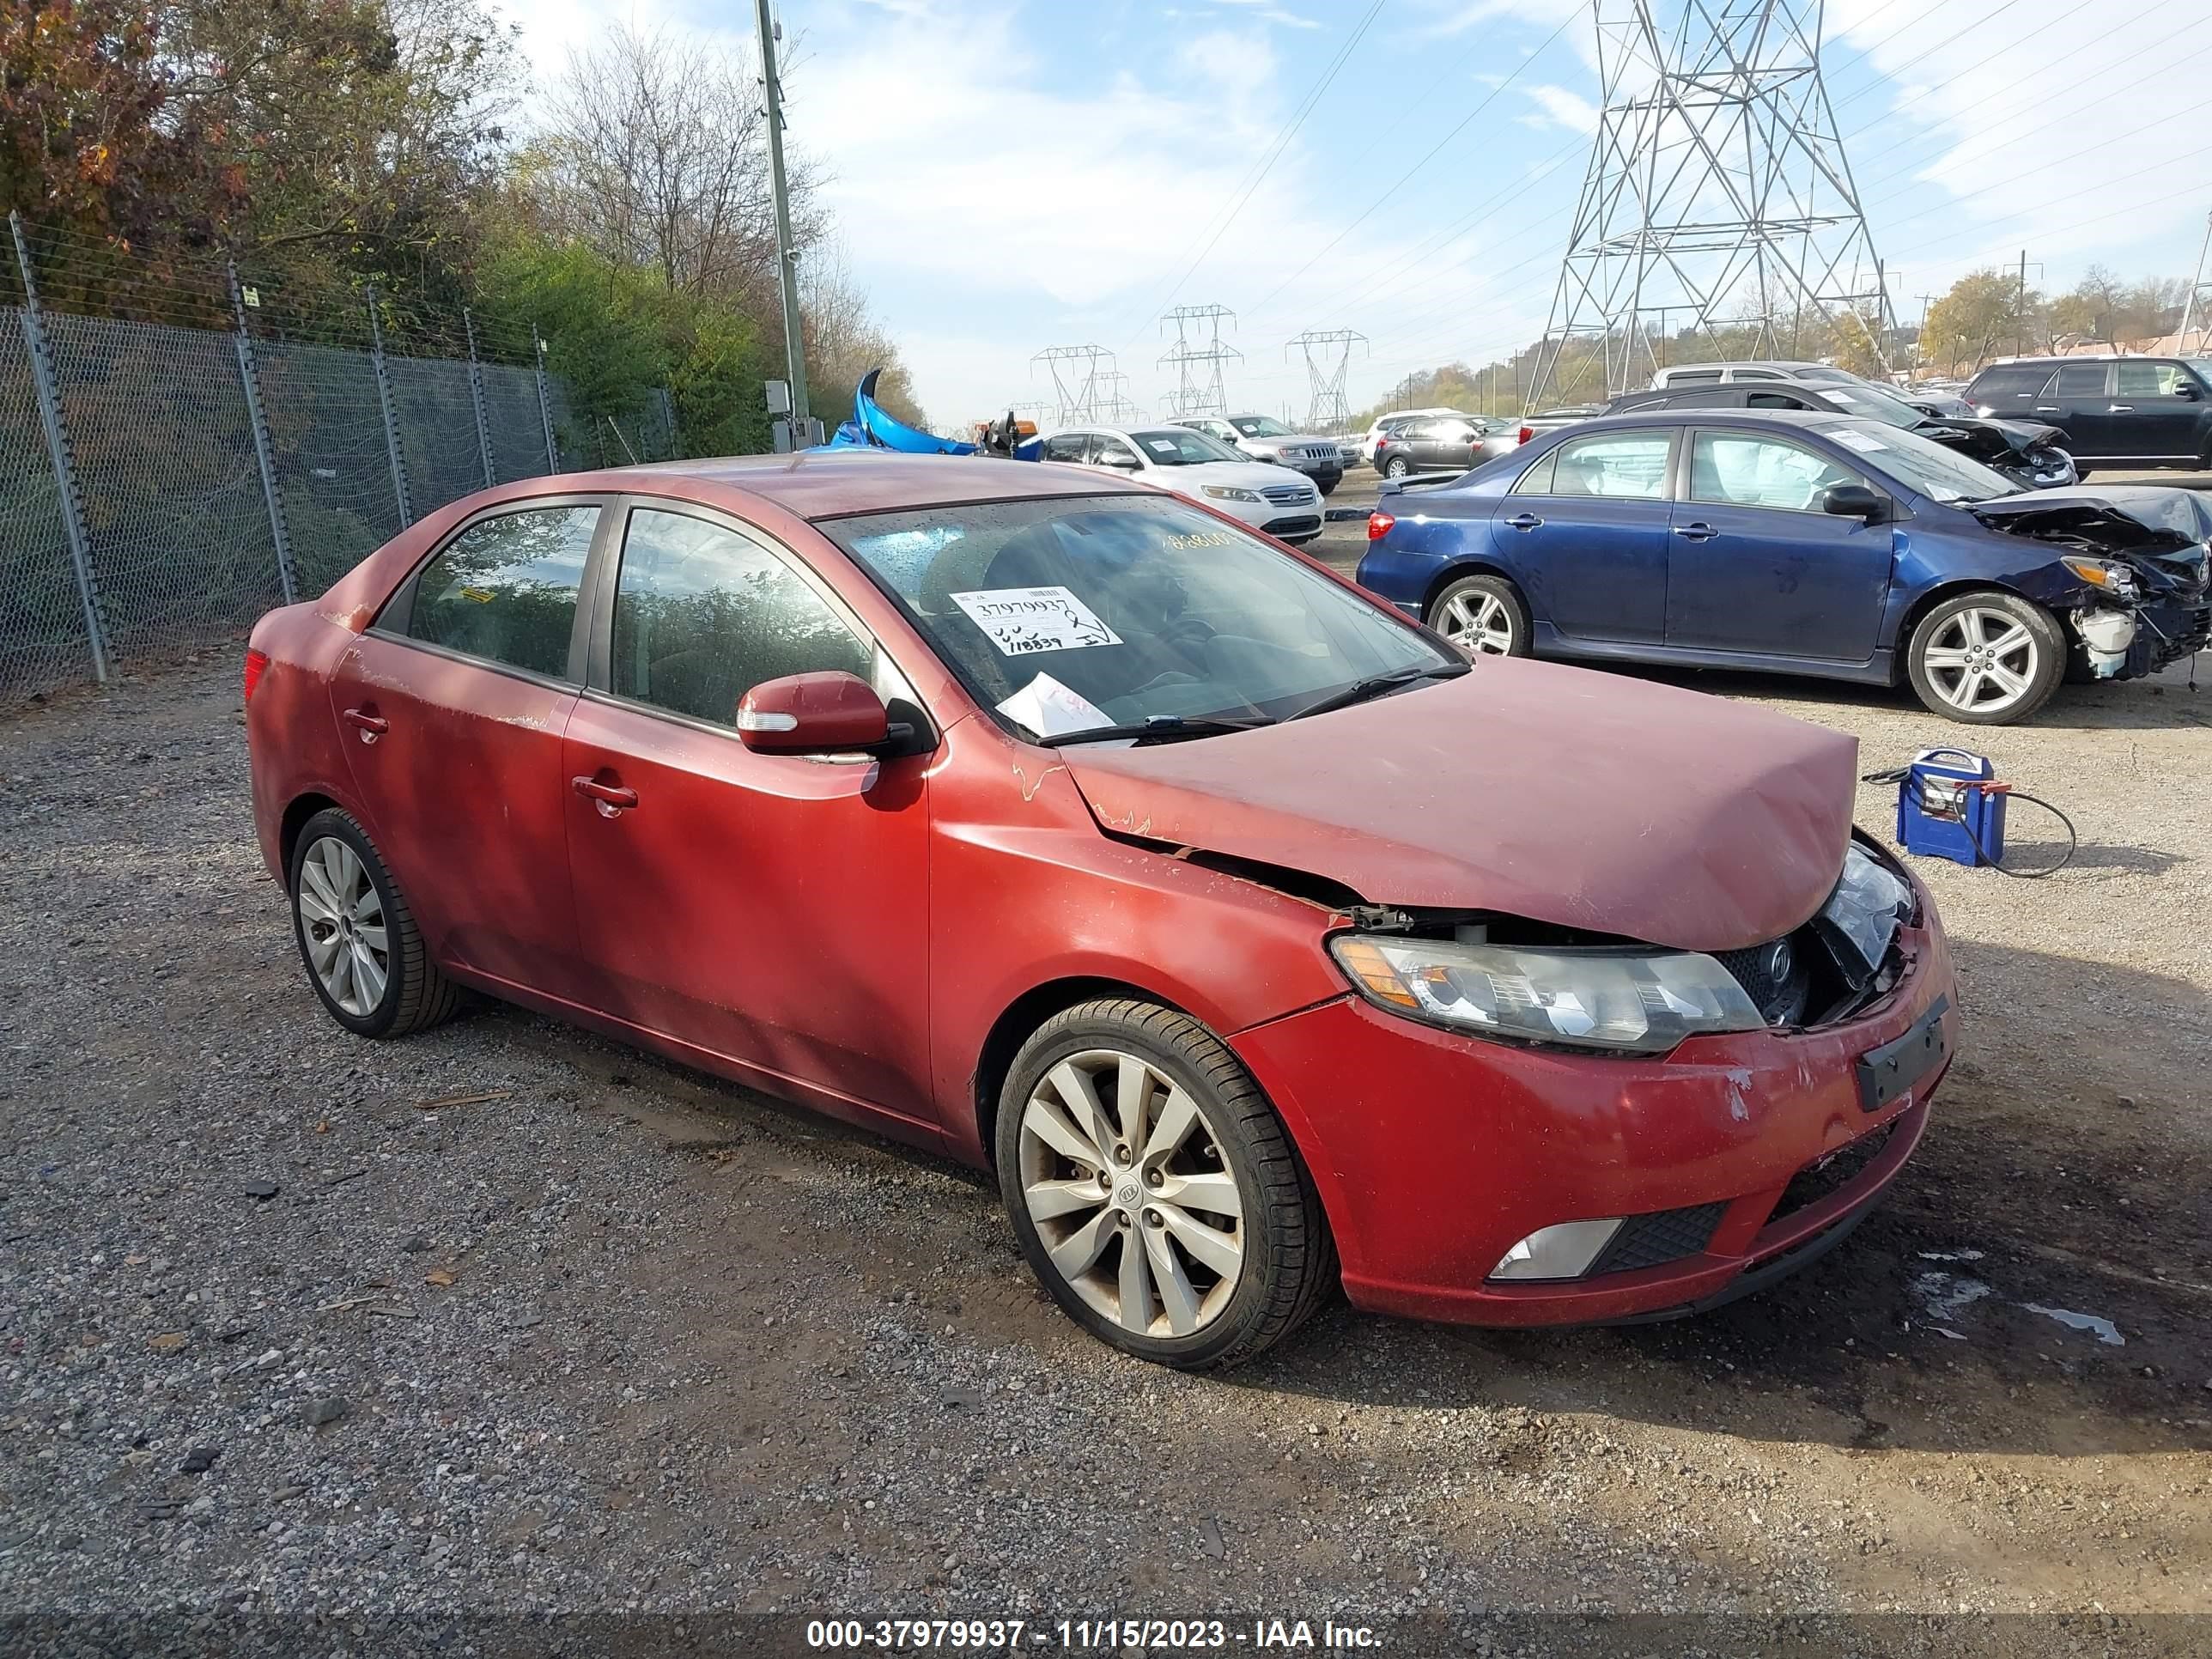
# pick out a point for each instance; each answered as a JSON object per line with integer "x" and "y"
{"x": 1071, "y": 614}
{"x": 1921, "y": 464}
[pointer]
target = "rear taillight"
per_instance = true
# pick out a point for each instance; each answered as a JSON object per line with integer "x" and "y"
{"x": 257, "y": 664}
{"x": 1527, "y": 433}
{"x": 1378, "y": 525}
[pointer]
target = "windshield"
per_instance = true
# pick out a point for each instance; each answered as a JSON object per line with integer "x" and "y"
{"x": 1178, "y": 445}
{"x": 1259, "y": 426}
{"x": 1874, "y": 403}
{"x": 1066, "y": 616}
{"x": 1817, "y": 375}
{"x": 2203, "y": 368}
{"x": 1922, "y": 465}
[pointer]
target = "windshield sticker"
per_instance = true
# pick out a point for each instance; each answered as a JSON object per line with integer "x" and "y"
{"x": 1023, "y": 620}
{"x": 1200, "y": 538}
{"x": 1865, "y": 443}
{"x": 1052, "y": 710}
{"x": 1163, "y": 446}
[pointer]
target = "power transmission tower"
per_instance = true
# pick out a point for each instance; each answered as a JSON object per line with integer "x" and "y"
{"x": 1197, "y": 355}
{"x": 2200, "y": 291}
{"x": 1328, "y": 359}
{"x": 1718, "y": 183}
{"x": 1114, "y": 404}
{"x": 1078, "y": 372}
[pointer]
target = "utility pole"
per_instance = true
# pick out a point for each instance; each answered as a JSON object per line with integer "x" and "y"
{"x": 2019, "y": 328}
{"x": 787, "y": 257}
{"x": 2195, "y": 288}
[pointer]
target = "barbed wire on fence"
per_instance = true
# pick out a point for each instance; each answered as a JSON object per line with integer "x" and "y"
{"x": 182, "y": 445}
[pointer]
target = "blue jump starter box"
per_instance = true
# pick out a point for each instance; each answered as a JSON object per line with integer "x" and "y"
{"x": 1944, "y": 811}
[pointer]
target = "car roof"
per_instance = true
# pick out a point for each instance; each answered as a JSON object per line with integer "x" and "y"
{"x": 1800, "y": 417}
{"x": 1745, "y": 362}
{"x": 820, "y": 484}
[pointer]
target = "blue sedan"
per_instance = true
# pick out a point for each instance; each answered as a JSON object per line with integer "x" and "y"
{"x": 1799, "y": 543}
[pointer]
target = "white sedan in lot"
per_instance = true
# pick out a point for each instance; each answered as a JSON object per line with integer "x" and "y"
{"x": 1270, "y": 498}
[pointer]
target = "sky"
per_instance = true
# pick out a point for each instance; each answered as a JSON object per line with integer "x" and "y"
{"x": 1012, "y": 175}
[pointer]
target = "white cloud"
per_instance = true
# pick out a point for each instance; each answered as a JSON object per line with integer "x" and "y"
{"x": 1267, "y": 12}
{"x": 1557, "y": 107}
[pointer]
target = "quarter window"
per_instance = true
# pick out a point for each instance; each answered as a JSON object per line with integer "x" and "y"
{"x": 1760, "y": 472}
{"x": 2142, "y": 379}
{"x": 505, "y": 588}
{"x": 704, "y": 615}
{"x": 1624, "y": 464}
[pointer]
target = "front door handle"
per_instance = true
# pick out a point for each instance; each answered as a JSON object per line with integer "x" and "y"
{"x": 2119, "y": 409}
{"x": 609, "y": 798}
{"x": 1696, "y": 532}
{"x": 371, "y": 726}
{"x": 2046, "y": 409}
{"x": 1525, "y": 521}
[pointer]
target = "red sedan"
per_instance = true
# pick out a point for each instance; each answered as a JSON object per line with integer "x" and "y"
{"x": 1257, "y": 940}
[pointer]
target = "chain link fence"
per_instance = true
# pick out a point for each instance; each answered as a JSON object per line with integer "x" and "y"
{"x": 178, "y": 454}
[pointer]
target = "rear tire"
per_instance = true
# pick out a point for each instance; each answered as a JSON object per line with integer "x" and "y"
{"x": 1483, "y": 616}
{"x": 1397, "y": 467}
{"x": 1175, "y": 1155}
{"x": 1986, "y": 657}
{"x": 357, "y": 937}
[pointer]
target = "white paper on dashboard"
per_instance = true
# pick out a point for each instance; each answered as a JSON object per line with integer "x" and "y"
{"x": 1052, "y": 710}
{"x": 1021, "y": 620}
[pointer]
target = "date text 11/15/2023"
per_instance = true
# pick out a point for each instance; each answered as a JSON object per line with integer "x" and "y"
{"x": 1082, "y": 1635}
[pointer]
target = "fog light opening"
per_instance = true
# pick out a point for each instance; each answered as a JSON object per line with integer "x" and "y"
{"x": 1563, "y": 1251}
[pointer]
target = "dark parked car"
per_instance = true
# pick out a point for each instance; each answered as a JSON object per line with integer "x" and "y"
{"x": 2033, "y": 456}
{"x": 2133, "y": 412}
{"x": 1799, "y": 543}
{"x": 1254, "y": 938}
{"x": 1439, "y": 443}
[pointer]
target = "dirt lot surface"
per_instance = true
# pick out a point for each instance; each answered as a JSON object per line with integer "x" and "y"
{"x": 610, "y": 1335}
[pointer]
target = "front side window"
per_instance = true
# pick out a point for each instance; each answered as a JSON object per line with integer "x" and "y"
{"x": 1070, "y": 615}
{"x": 1068, "y": 446}
{"x": 2136, "y": 379}
{"x": 702, "y": 615}
{"x": 1694, "y": 377}
{"x": 1112, "y": 452}
{"x": 505, "y": 588}
{"x": 1618, "y": 464}
{"x": 1733, "y": 471}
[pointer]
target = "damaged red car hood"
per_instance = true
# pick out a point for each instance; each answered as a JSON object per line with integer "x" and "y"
{"x": 1531, "y": 789}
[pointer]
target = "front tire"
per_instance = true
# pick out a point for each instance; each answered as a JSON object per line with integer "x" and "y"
{"x": 1483, "y": 616}
{"x": 357, "y": 937}
{"x": 1986, "y": 657}
{"x": 1154, "y": 1192}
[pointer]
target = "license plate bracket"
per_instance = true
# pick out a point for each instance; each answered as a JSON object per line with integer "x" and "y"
{"x": 1891, "y": 1070}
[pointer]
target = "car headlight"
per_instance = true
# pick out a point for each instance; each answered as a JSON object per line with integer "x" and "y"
{"x": 2108, "y": 575}
{"x": 1631, "y": 1001}
{"x": 1228, "y": 493}
{"x": 1867, "y": 904}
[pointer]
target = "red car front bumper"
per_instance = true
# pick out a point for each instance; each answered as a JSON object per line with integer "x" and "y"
{"x": 1436, "y": 1153}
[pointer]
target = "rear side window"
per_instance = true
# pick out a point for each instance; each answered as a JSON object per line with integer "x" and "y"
{"x": 505, "y": 588}
{"x": 1067, "y": 448}
{"x": 2082, "y": 381}
{"x": 2009, "y": 380}
{"x": 1772, "y": 400}
{"x": 1694, "y": 377}
{"x": 2136, "y": 379}
{"x": 1622, "y": 463}
{"x": 702, "y": 615}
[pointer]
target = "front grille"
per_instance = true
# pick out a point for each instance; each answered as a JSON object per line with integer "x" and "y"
{"x": 1829, "y": 1175}
{"x": 1290, "y": 495}
{"x": 1664, "y": 1236}
{"x": 1777, "y": 977}
{"x": 1297, "y": 526}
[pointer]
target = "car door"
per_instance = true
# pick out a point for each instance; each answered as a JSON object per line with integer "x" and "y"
{"x": 1755, "y": 565}
{"x": 1584, "y": 530}
{"x": 2153, "y": 412}
{"x": 2078, "y": 400}
{"x": 452, "y": 705}
{"x": 771, "y": 909}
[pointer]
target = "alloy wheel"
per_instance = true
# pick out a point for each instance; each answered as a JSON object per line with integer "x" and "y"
{"x": 1982, "y": 660}
{"x": 1476, "y": 623}
{"x": 342, "y": 919}
{"x": 1137, "y": 1209}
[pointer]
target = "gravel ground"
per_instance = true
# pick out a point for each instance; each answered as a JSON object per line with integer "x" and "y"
{"x": 281, "y": 1334}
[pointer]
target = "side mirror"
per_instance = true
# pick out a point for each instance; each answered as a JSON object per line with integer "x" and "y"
{"x": 1852, "y": 501}
{"x": 825, "y": 713}
{"x": 2187, "y": 389}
